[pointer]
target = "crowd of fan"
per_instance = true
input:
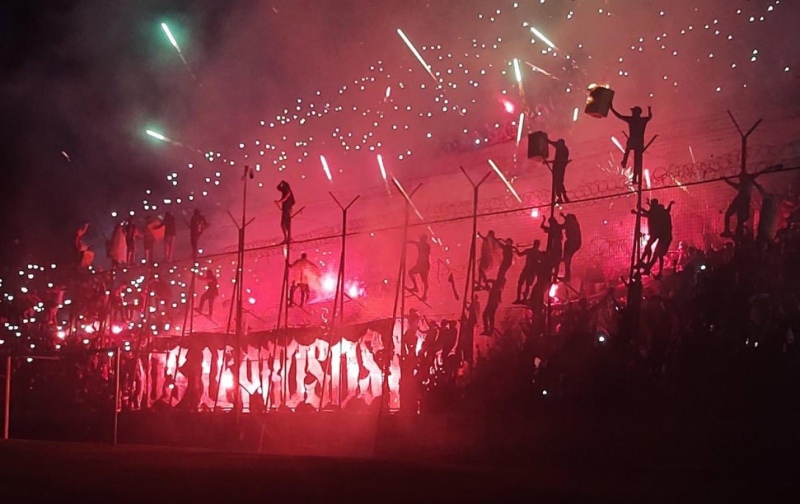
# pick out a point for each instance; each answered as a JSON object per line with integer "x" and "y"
{"x": 718, "y": 334}
{"x": 717, "y": 331}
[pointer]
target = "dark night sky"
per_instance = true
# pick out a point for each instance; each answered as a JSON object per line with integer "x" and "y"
{"x": 88, "y": 76}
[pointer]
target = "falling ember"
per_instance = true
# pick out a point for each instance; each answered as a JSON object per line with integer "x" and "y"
{"x": 619, "y": 145}
{"x": 157, "y": 136}
{"x": 434, "y": 239}
{"x": 691, "y": 153}
{"x": 325, "y": 167}
{"x": 678, "y": 183}
{"x": 519, "y": 127}
{"x": 517, "y": 71}
{"x": 417, "y": 54}
{"x": 170, "y": 37}
{"x": 177, "y": 48}
{"x": 382, "y": 167}
{"x": 407, "y": 197}
{"x": 575, "y": 114}
{"x": 388, "y": 92}
{"x": 505, "y": 180}
{"x": 539, "y": 69}
{"x": 544, "y": 39}
{"x": 508, "y": 106}
{"x": 66, "y": 156}
{"x": 535, "y": 213}
{"x": 647, "y": 178}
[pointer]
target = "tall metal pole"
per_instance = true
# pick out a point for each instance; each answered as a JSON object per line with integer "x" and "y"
{"x": 469, "y": 283}
{"x": 338, "y": 300}
{"x": 283, "y": 312}
{"x": 237, "y": 351}
{"x": 7, "y": 402}
{"x": 399, "y": 301}
{"x": 116, "y": 397}
{"x": 744, "y": 138}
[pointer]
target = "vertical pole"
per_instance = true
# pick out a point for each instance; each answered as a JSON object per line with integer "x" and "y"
{"x": 399, "y": 301}
{"x": 554, "y": 272}
{"x": 338, "y": 304}
{"x": 400, "y": 294}
{"x": 237, "y": 350}
{"x": 7, "y": 405}
{"x": 116, "y": 396}
{"x": 469, "y": 283}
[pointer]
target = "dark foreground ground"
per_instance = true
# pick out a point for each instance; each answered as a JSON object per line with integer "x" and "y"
{"x": 70, "y": 472}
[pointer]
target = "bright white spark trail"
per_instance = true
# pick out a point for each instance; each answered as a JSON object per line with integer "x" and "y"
{"x": 325, "y": 167}
{"x": 417, "y": 54}
{"x": 544, "y": 39}
{"x": 505, "y": 180}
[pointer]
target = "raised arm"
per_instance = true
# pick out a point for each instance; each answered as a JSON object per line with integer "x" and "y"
{"x": 669, "y": 207}
{"x": 649, "y": 112}
{"x": 614, "y": 111}
{"x": 761, "y": 190}
{"x": 732, "y": 184}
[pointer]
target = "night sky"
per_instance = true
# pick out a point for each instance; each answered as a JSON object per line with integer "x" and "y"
{"x": 83, "y": 79}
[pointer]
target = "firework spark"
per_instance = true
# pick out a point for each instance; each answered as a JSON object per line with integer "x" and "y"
{"x": 544, "y": 39}
{"x": 325, "y": 167}
{"x": 157, "y": 136}
{"x": 382, "y": 167}
{"x": 177, "y": 48}
{"x": 505, "y": 180}
{"x": 408, "y": 198}
{"x": 417, "y": 54}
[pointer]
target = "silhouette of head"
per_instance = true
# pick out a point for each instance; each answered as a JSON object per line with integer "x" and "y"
{"x": 537, "y": 244}
{"x": 637, "y": 111}
{"x": 560, "y": 142}
{"x": 197, "y": 211}
{"x": 423, "y": 238}
{"x": 490, "y": 233}
{"x": 509, "y": 241}
{"x": 654, "y": 202}
{"x": 303, "y": 255}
